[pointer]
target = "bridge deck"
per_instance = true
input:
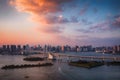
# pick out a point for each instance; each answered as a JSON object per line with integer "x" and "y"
{"x": 58, "y": 55}
{"x": 86, "y": 57}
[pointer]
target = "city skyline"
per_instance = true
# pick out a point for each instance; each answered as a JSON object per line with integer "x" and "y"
{"x": 60, "y": 22}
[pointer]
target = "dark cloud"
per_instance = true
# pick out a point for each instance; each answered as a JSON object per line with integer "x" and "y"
{"x": 52, "y": 29}
{"x": 116, "y": 22}
{"x": 116, "y": 16}
{"x": 84, "y": 30}
{"x": 95, "y": 10}
{"x": 55, "y": 19}
{"x": 86, "y": 22}
{"x": 112, "y": 24}
{"x": 84, "y": 9}
{"x": 74, "y": 19}
{"x": 108, "y": 25}
{"x": 102, "y": 26}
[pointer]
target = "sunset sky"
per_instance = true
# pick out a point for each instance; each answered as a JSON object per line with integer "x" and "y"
{"x": 60, "y": 22}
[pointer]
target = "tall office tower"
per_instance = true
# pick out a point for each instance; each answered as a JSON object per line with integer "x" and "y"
{"x": 13, "y": 48}
{"x": 114, "y": 49}
{"x": 4, "y": 47}
{"x": 8, "y": 48}
{"x": 19, "y": 47}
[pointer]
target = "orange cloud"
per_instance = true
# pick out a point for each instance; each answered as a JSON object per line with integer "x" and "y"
{"x": 44, "y": 12}
{"x": 36, "y": 6}
{"x": 41, "y": 9}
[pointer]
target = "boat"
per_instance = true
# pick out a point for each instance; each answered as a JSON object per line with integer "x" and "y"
{"x": 51, "y": 56}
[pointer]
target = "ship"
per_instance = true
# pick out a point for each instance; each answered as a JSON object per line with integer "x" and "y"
{"x": 51, "y": 56}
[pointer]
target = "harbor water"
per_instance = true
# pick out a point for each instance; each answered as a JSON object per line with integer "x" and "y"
{"x": 59, "y": 71}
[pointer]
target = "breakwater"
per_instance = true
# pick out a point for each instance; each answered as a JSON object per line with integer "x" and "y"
{"x": 33, "y": 59}
{"x": 26, "y": 65}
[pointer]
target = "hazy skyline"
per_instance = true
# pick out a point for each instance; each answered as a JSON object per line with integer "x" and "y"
{"x": 60, "y": 22}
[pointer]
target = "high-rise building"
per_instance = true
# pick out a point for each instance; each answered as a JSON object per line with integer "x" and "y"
{"x": 8, "y": 48}
{"x": 27, "y": 47}
{"x": 63, "y": 48}
{"x": 24, "y": 47}
{"x": 116, "y": 49}
{"x": 19, "y": 47}
{"x": 13, "y": 48}
{"x": 89, "y": 48}
{"x": 4, "y": 47}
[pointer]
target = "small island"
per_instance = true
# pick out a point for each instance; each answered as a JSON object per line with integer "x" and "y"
{"x": 113, "y": 63}
{"x": 86, "y": 64}
{"x": 26, "y": 66}
{"x": 34, "y": 59}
